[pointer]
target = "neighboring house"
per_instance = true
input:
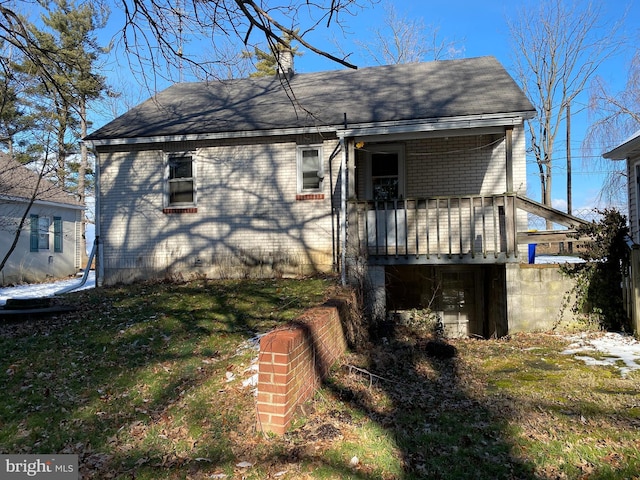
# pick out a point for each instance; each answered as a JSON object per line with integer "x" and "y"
{"x": 410, "y": 178}
{"x": 629, "y": 151}
{"x": 49, "y": 244}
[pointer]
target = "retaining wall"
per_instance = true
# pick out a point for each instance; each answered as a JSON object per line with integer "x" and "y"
{"x": 293, "y": 361}
{"x": 537, "y": 297}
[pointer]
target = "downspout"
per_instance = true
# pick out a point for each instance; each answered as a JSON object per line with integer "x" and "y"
{"x": 334, "y": 240}
{"x": 85, "y": 275}
{"x": 343, "y": 211}
{"x": 98, "y": 243}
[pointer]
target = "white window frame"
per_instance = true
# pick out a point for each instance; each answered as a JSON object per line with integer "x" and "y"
{"x": 398, "y": 149}
{"x": 300, "y": 173}
{"x": 169, "y": 156}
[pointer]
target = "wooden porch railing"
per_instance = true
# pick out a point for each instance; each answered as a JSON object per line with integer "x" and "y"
{"x": 465, "y": 229}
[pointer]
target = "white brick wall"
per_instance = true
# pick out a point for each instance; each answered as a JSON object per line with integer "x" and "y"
{"x": 463, "y": 165}
{"x": 248, "y": 219}
{"x": 246, "y": 209}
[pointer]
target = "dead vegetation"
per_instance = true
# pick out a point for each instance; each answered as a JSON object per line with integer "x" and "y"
{"x": 153, "y": 382}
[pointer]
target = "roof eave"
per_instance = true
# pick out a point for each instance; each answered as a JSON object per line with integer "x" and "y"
{"x": 437, "y": 124}
{"x": 72, "y": 206}
{"x": 352, "y": 130}
{"x": 107, "y": 142}
{"x": 626, "y": 149}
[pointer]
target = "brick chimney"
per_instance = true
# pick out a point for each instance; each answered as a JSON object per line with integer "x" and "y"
{"x": 285, "y": 62}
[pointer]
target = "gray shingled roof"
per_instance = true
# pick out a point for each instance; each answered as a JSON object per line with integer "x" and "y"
{"x": 18, "y": 182}
{"x": 630, "y": 147}
{"x": 416, "y": 91}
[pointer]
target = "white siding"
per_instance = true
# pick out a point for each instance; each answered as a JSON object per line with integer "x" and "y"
{"x": 25, "y": 266}
{"x": 633, "y": 185}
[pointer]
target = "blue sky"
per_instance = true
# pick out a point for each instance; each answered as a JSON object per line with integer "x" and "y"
{"x": 480, "y": 28}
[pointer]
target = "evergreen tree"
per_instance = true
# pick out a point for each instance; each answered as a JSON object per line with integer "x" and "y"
{"x": 61, "y": 97}
{"x": 78, "y": 53}
{"x": 267, "y": 63}
{"x": 14, "y": 118}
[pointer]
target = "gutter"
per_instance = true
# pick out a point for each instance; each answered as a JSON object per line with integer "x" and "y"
{"x": 107, "y": 142}
{"x": 355, "y": 130}
{"x": 629, "y": 147}
{"x": 47, "y": 203}
{"x": 436, "y": 124}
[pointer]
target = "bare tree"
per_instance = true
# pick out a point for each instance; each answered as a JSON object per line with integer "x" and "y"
{"x": 165, "y": 37}
{"x": 404, "y": 39}
{"x": 615, "y": 116}
{"x": 161, "y": 35}
{"x": 558, "y": 47}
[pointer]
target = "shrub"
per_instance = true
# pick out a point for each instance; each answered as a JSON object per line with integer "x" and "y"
{"x": 599, "y": 279}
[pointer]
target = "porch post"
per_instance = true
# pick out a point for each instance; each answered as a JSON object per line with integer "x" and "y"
{"x": 508, "y": 135}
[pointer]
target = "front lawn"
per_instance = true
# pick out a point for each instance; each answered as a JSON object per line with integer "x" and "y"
{"x": 154, "y": 381}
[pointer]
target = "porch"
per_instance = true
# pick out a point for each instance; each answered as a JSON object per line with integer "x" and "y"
{"x": 473, "y": 229}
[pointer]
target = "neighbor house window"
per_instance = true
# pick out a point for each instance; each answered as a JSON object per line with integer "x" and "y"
{"x": 57, "y": 234}
{"x": 181, "y": 184}
{"x": 310, "y": 169}
{"x": 39, "y": 233}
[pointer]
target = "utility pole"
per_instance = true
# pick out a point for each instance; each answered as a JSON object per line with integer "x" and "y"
{"x": 569, "y": 202}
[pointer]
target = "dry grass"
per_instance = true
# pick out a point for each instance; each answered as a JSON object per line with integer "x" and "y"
{"x": 147, "y": 382}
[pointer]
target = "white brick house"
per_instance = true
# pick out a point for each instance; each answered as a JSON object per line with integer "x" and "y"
{"x": 409, "y": 170}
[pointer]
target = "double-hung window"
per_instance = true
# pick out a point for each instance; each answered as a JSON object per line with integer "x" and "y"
{"x": 385, "y": 176}
{"x": 181, "y": 180}
{"x": 310, "y": 169}
{"x": 385, "y": 172}
{"x": 39, "y": 233}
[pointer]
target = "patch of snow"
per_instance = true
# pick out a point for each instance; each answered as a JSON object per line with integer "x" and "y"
{"x": 41, "y": 290}
{"x": 252, "y": 381}
{"x": 560, "y": 259}
{"x": 621, "y": 351}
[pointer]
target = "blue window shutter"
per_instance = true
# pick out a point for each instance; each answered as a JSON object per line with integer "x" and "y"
{"x": 57, "y": 234}
{"x": 34, "y": 233}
